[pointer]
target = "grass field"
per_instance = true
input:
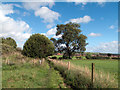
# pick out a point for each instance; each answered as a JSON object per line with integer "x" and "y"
{"x": 78, "y": 76}
{"x": 27, "y": 75}
{"x": 105, "y": 66}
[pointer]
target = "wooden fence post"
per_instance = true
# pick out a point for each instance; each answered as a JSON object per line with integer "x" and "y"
{"x": 69, "y": 65}
{"x": 92, "y": 74}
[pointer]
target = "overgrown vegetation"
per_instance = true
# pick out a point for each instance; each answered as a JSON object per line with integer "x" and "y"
{"x": 104, "y": 66}
{"x": 80, "y": 77}
{"x": 8, "y": 45}
{"x": 9, "y": 41}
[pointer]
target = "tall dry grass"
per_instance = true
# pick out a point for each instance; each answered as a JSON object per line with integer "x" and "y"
{"x": 80, "y": 77}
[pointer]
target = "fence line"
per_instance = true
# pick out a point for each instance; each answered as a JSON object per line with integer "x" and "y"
{"x": 68, "y": 68}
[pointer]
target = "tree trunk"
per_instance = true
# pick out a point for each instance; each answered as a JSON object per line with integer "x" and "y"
{"x": 69, "y": 56}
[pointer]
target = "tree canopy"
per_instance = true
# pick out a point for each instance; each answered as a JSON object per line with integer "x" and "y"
{"x": 9, "y": 41}
{"x": 38, "y": 46}
{"x": 71, "y": 40}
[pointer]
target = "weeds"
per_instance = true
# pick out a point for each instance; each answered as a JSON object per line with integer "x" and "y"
{"x": 80, "y": 77}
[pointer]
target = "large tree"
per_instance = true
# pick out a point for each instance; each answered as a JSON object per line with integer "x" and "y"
{"x": 71, "y": 40}
{"x": 38, "y": 46}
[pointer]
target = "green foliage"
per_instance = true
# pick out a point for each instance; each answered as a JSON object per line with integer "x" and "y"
{"x": 65, "y": 56}
{"x": 9, "y": 41}
{"x": 88, "y": 56}
{"x": 71, "y": 38}
{"x": 60, "y": 58}
{"x": 81, "y": 57}
{"x": 38, "y": 46}
{"x": 100, "y": 57}
{"x": 7, "y": 49}
{"x": 18, "y": 49}
{"x": 109, "y": 54}
{"x": 54, "y": 57}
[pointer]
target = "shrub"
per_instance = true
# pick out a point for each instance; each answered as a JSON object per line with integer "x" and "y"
{"x": 115, "y": 58}
{"x": 7, "y": 49}
{"x": 81, "y": 57}
{"x": 65, "y": 56}
{"x": 88, "y": 56}
{"x": 18, "y": 49}
{"x": 54, "y": 57}
{"x": 38, "y": 46}
{"x": 9, "y": 41}
{"x": 99, "y": 57}
{"x": 109, "y": 54}
{"x": 60, "y": 58}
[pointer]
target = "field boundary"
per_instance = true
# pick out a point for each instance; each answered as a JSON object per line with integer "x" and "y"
{"x": 82, "y": 76}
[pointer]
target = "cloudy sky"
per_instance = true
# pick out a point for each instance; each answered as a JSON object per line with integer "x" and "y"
{"x": 99, "y": 21}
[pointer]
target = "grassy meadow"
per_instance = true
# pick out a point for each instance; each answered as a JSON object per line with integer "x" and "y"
{"x": 22, "y": 73}
{"x": 104, "y": 66}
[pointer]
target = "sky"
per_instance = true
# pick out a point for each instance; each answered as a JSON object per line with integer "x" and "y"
{"x": 98, "y": 21}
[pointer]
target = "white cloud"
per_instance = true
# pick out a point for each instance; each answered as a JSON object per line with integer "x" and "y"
{"x": 16, "y": 5}
{"x": 59, "y": 36}
{"x": 84, "y": 2}
{"x": 47, "y": 14}
{"x": 41, "y": 9}
{"x": 112, "y": 27}
{"x": 44, "y": 34}
{"x": 51, "y": 31}
{"x": 17, "y": 29}
{"x": 108, "y": 47}
{"x": 85, "y": 19}
{"x": 50, "y": 25}
{"x": 94, "y": 34}
{"x": 37, "y": 5}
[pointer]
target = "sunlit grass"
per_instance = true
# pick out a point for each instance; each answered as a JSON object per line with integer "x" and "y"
{"x": 24, "y": 74}
{"x": 80, "y": 77}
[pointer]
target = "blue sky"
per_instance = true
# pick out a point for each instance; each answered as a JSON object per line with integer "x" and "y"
{"x": 99, "y": 21}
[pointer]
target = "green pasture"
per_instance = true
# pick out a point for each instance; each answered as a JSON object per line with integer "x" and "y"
{"x": 28, "y": 75}
{"x": 105, "y": 66}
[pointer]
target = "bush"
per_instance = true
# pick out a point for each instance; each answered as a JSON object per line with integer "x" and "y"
{"x": 54, "y": 57}
{"x": 9, "y": 41}
{"x": 115, "y": 58}
{"x": 7, "y": 49}
{"x": 99, "y": 57}
{"x": 81, "y": 57}
{"x": 38, "y": 46}
{"x": 88, "y": 56}
{"x": 65, "y": 56}
{"x": 18, "y": 49}
{"x": 60, "y": 58}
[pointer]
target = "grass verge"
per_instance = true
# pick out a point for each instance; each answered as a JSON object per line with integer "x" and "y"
{"x": 80, "y": 77}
